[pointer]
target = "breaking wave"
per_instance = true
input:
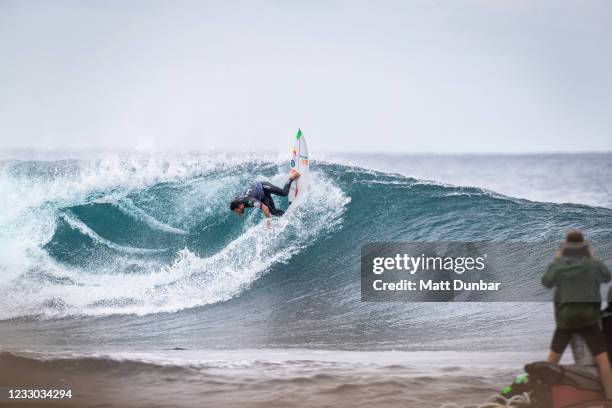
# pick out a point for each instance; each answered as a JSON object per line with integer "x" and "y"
{"x": 144, "y": 234}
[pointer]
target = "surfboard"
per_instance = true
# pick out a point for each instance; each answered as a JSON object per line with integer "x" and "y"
{"x": 299, "y": 162}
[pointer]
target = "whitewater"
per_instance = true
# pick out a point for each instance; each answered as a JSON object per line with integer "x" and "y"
{"x": 82, "y": 240}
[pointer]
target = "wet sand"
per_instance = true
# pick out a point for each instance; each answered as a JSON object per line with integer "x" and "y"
{"x": 262, "y": 378}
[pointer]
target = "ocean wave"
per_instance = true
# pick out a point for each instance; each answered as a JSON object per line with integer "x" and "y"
{"x": 95, "y": 244}
{"x": 144, "y": 235}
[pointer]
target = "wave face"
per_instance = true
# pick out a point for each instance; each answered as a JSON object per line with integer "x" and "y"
{"x": 143, "y": 235}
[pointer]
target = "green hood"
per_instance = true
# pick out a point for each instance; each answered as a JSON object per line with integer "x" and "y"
{"x": 571, "y": 268}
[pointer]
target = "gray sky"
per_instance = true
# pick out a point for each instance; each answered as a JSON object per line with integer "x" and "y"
{"x": 409, "y": 76}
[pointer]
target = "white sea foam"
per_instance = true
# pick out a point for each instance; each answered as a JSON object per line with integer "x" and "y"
{"x": 127, "y": 206}
{"x": 34, "y": 203}
{"x": 85, "y": 230}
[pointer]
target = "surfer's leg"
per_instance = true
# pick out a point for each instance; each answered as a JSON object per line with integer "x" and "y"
{"x": 269, "y": 202}
{"x": 272, "y": 189}
{"x": 277, "y": 212}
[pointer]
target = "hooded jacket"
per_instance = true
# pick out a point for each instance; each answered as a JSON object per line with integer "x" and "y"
{"x": 576, "y": 281}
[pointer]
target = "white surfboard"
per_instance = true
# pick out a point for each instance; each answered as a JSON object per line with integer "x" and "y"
{"x": 301, "y": 163}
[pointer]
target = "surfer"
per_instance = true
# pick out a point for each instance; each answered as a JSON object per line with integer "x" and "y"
{"x": 259, "y": 195}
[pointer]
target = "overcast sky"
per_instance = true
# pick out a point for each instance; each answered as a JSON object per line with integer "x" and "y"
{"x": 384, "y": 75}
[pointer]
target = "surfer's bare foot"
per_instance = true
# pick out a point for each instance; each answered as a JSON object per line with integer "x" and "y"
{"x": 294, "y": 175}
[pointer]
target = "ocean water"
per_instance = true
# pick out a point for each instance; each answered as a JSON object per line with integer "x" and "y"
{"x": 124, "y": 262}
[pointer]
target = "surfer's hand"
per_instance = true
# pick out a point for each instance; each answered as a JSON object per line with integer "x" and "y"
{"x": 266, "y": 211}
{"x": 268, "y": 223}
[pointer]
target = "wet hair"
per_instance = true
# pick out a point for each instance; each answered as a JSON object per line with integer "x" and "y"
{"x": 235, "y": 204}
{"x": 574, "y": 236}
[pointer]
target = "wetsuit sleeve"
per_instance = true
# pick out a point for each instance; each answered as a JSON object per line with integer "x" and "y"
{"x": 549, "y": 278}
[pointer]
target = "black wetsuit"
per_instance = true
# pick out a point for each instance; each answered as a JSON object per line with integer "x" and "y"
{"x": 261, "y": 193}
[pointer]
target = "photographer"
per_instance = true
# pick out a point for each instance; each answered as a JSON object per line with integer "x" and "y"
{"x": 576, "y": 276}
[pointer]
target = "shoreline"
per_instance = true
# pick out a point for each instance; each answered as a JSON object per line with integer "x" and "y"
{"x": 266, "y": 377}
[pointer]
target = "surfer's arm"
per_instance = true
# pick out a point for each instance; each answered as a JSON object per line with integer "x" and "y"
{"x": 266, "y": 212}
{"x": 262, "y": 206}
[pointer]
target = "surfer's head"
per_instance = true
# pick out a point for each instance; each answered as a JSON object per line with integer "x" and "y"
{"x": 237, "y": 206}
